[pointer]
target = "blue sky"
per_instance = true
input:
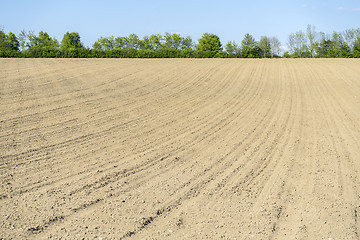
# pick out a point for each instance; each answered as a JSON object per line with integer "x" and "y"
{"x": 229, "y": 19}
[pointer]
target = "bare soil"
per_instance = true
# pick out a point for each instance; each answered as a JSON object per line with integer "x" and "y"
{"x": 179, "y": 149}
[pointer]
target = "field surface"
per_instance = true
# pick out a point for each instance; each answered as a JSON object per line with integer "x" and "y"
{"x": 179, "y": 149}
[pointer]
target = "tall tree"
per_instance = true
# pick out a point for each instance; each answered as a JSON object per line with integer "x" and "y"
{"x": 133, "y": 41}
{"x": 156, "y": 41}
{"x": 32, "y": 39}
{"x": 350, "y": 36}
{"x": 265, "y": 47}
{"x": 337, "y": 44}
{"x": 186, "y": 43}
{"x": 249, "y": 47}
{"x": 292, "y": 43}
{"x": 297, "y": 44}
{"x": 311, "y": 36}
{"x": 105, "y": 43}
{"x": 172, "y": 41}
{"x": 120, "y": 42}
{"x": 12, "y": 42}
{"x": 71, "y": 41}
{"x": 209, "y": 43}
{"x": 23, "y": 40}
{"x": 232, "y": 48}
{"x": 2, "y": 39}
{"x": 356, "y": 51}
{"x": 146, "y": 43}
{"x": 301, "y": 47}
{"x": 44, "y": 40}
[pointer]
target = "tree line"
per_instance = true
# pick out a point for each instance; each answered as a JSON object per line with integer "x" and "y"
{"x": 308, "y": 44}
{"x": 311, "y": 43}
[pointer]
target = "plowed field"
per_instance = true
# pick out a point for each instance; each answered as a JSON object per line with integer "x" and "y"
{"x": 180, "y": 148}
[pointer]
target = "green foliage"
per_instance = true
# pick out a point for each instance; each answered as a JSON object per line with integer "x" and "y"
{"x": 44, "y": 40}
{"x": 222, "y": 55}
{"x": 287, "y": 55}
{"x": 333, "y": 47}
{"x": 172, "y": 41}
{"x": 232, "y": 49}
{"x": 23, "y": 39}
{"x": 250, "y": 48}
{"x": 120, "y": 42}
{"x": 105, "y": 43}
{"x": 133, "y": 42}
{"x": 3, "y": 44}
{"x": 309, "y": 44}
{"x": 265, "y": 47}
{"x": 209, "y": 45}
{"x": 146, "y": 44}
{"x": 8, "y": 41}
{"x": 9, "y": 45}
{"x": 187, "y": 43}
{"x": 155, "y": 41}
{"x": 297, "y": 45}
{"x": 12, "y": 42}
{"x": 311, "y": 36}
{"x": 71, "y": 41}
{"x": 203, "y": 54}
{"x": 356, "y": 51}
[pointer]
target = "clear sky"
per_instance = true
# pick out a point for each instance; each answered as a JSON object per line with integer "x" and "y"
{"x": 229, "y": 19}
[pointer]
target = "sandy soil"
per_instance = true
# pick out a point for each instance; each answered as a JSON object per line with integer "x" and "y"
{"x": 179, "y": 149}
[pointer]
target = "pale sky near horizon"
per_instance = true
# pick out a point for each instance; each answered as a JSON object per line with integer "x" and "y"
{"x": 229, "y": 19}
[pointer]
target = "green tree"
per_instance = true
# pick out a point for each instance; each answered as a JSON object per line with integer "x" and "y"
{"x": 156, "y": 41}
{"x": 133, "y": 42}
{"x": 32, "y": 40}
{"x": 12, "y": 42}
{"x": 344, "y": 50}
{"x": 71, "y": 41}
{"x": 146, "y": 43}
{"x": 232, "y": 49}
{"x": 351, "y": 36}
{"x": 44, "y": 40}
{"x": 41, "y": 46}
{"x": 339, "y": 48}
{"x": 297, "y": 44}
{"x": 287, "y": 55}
{"x": 23, "y": 40}
{"x": 120, "y": 42}
{"x": 249, "y": 47}
{"x": 8, "y": 41}
{"x": 40, "y": 41}
{"x": 209, "y": 43}
{"x": 356, "y": 51}
{"x": 265, "y": 47}
{"x": 311, "y": 36}
{"x": 105, "y": 43}
{"x": 172, "y": 41}
{"x": 332, "y": 47}
{"x": 186, "y": 43}
{"x": 2, "y": 40}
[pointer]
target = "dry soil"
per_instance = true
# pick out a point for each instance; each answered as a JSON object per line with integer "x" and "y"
{"x": 179, "y": 149}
